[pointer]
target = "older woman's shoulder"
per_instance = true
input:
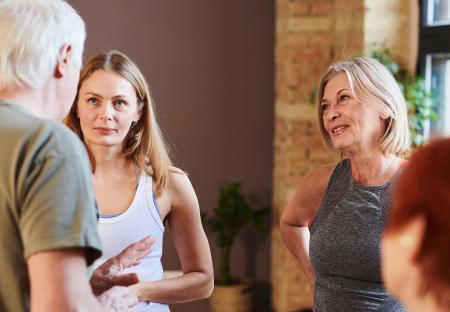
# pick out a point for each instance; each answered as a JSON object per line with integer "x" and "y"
{"x": 321, "y": 174}
{"x": 313, "y": 185}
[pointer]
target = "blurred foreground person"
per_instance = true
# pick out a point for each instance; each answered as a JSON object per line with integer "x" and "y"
{"x": 416, "y": 242}
{"x": 48, "y": 229}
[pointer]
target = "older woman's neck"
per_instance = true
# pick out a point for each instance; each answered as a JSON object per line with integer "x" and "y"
{"x": 373, "y": 167}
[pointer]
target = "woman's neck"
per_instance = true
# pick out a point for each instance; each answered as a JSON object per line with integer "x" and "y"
{"x": 109, "y": 161}
{"x": 374, "y": 167}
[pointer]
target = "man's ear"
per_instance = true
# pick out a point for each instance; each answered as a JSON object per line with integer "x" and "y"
{"x": 63, "y": 61}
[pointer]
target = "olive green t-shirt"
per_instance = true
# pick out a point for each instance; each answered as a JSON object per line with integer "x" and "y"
{"x": 46, "y": 198}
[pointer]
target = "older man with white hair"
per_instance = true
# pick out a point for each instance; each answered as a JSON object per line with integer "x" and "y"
{"x": 48, "y": 230}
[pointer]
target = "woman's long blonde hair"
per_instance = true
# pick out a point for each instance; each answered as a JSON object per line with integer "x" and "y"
{"x": 144, "y": 143}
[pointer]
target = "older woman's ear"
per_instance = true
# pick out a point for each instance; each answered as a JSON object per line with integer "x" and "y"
{"x": 384, "y": 115}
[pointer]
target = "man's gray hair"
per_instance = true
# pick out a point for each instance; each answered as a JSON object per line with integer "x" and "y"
{"x": 32, "y": 33}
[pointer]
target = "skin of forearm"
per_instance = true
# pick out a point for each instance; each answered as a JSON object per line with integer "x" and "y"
{"x": 80, "y": 304}
{"x": 188, "y": 287}
{"x": 296, "y": 240}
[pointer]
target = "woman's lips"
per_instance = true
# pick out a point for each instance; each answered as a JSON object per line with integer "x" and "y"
{"x": 105, "y": 130}
{"x": 337, "y": 130}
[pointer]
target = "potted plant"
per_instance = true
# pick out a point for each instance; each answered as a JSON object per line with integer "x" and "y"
{"x": 230, "y": 215}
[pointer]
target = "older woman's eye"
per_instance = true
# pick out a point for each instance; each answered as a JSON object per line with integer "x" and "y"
{"x": 343, "y": 97}
{"x": 324, "y": 106}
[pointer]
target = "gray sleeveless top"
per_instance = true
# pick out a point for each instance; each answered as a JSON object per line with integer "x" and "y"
{"x": 345, "y": 245}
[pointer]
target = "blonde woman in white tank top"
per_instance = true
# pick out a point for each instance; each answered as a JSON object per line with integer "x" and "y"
{"x": 137, "y": 189}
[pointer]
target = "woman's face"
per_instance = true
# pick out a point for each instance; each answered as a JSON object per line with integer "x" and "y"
{"x": 107, "y": 106}
{"x": 349, "y": 123}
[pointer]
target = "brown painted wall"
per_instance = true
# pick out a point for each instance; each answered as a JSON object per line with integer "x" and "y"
{"x": 210, "y": 67}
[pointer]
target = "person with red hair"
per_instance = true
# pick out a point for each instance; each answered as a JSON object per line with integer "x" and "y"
{"x": 416, "y": 241}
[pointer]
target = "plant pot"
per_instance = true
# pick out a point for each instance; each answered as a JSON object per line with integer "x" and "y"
{"x": 232, "y": 298}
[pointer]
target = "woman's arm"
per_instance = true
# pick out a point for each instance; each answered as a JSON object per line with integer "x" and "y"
{"x": 197, "y": 281}
{"x": 299, "y": 212}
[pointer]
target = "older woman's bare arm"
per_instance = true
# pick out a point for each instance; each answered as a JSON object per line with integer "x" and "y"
{"x": 299, "y": 212}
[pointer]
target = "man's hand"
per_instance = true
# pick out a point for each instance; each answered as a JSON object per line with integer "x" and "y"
{"x": 117, "y": 298}
{"x": 109, "y": 274}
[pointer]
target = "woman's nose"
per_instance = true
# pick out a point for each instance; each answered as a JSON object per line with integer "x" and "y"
{"x": 333, "y": 113}
{"x": 106, "y": 111}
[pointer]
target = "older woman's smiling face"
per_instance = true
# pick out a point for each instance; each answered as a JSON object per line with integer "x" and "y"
{"x": 350, "y": 123}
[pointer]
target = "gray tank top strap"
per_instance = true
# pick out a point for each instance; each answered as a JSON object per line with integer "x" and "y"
{"x": 337, "y": 186}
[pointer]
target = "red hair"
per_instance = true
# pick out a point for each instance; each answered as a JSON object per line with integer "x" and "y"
{"x": 424, "y": 191}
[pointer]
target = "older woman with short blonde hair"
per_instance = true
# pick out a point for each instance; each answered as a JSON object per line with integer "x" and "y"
{"x": 333, "y": 223}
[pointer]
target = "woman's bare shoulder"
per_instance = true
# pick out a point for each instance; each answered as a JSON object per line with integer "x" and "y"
{"x": 319, "y": 177}
{"x": 308, "y": 195}
{"x": 180, "y": 187}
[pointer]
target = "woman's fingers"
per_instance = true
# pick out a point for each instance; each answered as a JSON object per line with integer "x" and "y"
{"x": 134, "y": 253}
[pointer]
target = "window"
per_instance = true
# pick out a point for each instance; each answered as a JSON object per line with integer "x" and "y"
{"x": 438, "y": 12}
{"x": 434, "y": 61}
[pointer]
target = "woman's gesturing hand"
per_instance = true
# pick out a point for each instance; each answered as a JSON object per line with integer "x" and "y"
{"x": 109, "y": 274}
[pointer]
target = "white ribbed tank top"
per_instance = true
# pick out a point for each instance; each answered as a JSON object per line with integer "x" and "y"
{"x": 138, "y": 221}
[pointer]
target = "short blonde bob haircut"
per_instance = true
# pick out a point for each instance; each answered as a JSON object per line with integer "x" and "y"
{"x": 372, "y": 83}
{"x": 144, "y": 142}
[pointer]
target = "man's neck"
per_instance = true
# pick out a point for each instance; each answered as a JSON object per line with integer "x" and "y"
{"x": 34, "y": 101}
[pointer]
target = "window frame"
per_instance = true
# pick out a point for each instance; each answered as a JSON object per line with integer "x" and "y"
{"x": 432, "y": 39}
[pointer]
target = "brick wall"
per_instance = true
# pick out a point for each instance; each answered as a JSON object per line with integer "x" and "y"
{"x": 311, "y": 34}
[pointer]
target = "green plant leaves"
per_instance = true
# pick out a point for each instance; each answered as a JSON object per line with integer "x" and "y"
{"x": 229, "y": 217}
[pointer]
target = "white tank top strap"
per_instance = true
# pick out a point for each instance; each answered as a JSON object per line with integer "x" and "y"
{"x": 152, "y": 202}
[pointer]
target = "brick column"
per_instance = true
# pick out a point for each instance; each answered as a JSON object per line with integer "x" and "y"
{"x": 393, "y": 25}
{"x": 311, "y": 34}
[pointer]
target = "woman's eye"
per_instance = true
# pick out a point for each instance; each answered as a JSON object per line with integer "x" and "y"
{"x": 343, "y": 97}
{"x": 92, "y": 100}
{"x": 120, "y": 104}
{"x": 324, "y": 106}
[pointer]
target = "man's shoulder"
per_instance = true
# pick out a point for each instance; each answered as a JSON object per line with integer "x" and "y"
{"x": 65, "y": 138}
